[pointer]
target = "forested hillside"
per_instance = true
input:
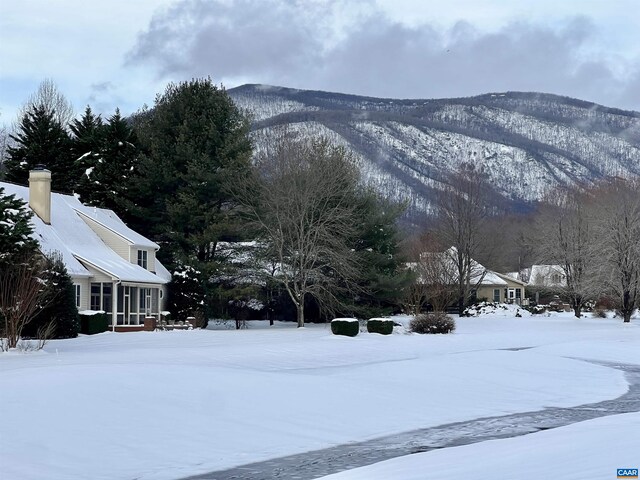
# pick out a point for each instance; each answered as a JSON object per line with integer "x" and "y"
{"x": 527, "y": 143}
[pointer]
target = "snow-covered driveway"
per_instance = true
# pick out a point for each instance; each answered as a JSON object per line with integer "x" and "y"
{"x": 165, "y": 405}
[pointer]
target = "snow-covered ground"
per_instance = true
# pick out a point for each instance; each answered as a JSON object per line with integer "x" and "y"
{"x": 591, "y": 450}
{"x": 163, "y": 405}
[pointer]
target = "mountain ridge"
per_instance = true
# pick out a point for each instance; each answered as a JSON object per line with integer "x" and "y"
{"x": 528, "y": 143}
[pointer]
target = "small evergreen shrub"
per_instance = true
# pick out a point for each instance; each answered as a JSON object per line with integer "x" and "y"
{"x": 345, "y": 326}
{"x": 438, "y": 322}
{"x": 383, "y": 326}
{"x": 92, "y": 323}
{"x": 61, "y": 308}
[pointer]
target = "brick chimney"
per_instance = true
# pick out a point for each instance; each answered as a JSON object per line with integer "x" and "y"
{"x": 40, "y": 193}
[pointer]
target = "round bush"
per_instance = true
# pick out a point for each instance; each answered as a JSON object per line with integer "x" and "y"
{"x": 383, "y": 326}
{"x": 432, "y": 323}
{"x": 345, "y": 326}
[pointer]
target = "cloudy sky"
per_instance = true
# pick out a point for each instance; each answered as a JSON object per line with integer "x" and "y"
{"x": 120, "y": 53}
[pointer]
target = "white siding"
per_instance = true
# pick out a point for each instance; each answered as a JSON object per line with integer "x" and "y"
{"x": 152, "y": 261}
{"x": 163, "y": 301}
{"x": 84, "y": 291}
{"x": 114, "y": 241}
{"x": 151, "y": 257}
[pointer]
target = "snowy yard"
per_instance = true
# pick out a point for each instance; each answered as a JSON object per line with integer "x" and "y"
{"x": 164, "y": 405}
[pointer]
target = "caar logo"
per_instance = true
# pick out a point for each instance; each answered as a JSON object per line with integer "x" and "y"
{"x": 627, "y": 473}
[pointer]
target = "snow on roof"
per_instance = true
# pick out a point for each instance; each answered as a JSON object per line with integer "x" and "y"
{"x": 479, "y": 274}
{"x": 543, "y": 275}
{"x": 162, "y": 272}
{"x": 491, "y": 278}
{"x": 506, "y": 276}
{"x": 78, "y": 244}
{"x": 111, "y": 221}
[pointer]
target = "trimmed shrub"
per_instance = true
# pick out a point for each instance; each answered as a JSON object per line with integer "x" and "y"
{"x": 345, "y": 326}
{"x": 93, "y": 322}
{"x": 432, "y": 323}
{"x": 383, "y": 326}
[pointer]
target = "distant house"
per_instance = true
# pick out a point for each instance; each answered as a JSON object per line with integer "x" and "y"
{"x": 522, "y": 275}
{"x": 497, "y": 287}
{"x": 489, "y": 285}
{"x": 548, "y": 276}
{"x": 113, "y": 268}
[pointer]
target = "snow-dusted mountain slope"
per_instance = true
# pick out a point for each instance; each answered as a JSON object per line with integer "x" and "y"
{"x": 527, "y": 143}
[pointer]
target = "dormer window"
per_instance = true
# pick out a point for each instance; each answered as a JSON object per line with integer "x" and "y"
{"x": 142, "y": 258}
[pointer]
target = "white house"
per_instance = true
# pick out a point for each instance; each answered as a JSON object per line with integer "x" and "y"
{"x": 113, "y": 268}
{"x": 551, "y": 276}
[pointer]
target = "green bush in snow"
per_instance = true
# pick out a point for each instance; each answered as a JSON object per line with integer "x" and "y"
{"x": 382, "y": 326}
{"x": 345, "y": 326}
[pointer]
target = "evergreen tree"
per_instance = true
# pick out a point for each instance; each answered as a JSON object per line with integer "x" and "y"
{"x": 106, "y": 179}
{"x": 383, "y": 276}
{"x": 60, "y": 303}
{"x": 196, "y": 143}
{"x": 41, "y": 140}
{"x": 15, "y": 229}
{"x": 186, "y": 294}
{"x": 86, "y": 142}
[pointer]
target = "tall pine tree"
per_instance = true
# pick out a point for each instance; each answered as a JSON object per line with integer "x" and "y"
{"x": 196, "y": 143}
{"x": 109, "y": 166}
{"x": 383, "y": 276}
{"x": 41, "y": 140}
{"x": 86, "y": 143}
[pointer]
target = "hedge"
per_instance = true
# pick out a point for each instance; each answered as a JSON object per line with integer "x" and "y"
{"x": 383, "y": 326}
{"x": 345, "y": 326}
{"x": 93, "y": 322}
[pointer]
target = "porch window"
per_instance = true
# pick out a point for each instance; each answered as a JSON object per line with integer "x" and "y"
{"x": 496, "y": 295}
{"x": 143, "y": 258}
{"x": 145, "y": 301}
{"x": 107, "y": 298}
{"x": 518, "y": 293}
{"x": 95, "y": 296}
{"x": 156, "y": 294}
{"x": 77, "y": 291}
{"x": 135, "y": 303}
{"x": 101, "y": 296}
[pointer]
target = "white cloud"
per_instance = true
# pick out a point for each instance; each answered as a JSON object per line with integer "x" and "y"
{"x": 374, "y": 54}
{"x": 403, "y": 48}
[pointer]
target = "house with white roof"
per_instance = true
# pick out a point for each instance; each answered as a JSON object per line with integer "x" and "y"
{"x": 549, "y": 276}
{"x": 113, "y": 268}
{"x": 489, "y": 285}
{"x": 498, "y": 287}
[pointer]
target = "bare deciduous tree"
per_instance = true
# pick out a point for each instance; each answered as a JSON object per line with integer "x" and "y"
{"x": 462, "y": 209}
{"x": 435, "y": 280}
{"x": 49, "y": 96}
{"x": 566, "y": 237}
{"x": 618, "y": 220}
{"x": 302, "y": 199}
{"x": 23, "y": 292}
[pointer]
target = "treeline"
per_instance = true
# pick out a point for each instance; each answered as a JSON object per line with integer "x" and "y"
{"x": 286, "y": 228}
{"x": 181, "y": 173}
{"x": 591, "y": 233}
